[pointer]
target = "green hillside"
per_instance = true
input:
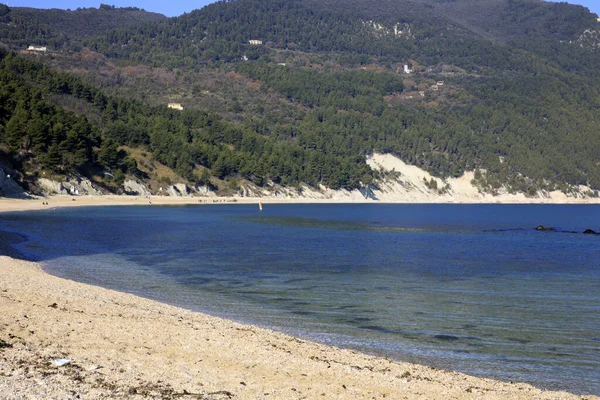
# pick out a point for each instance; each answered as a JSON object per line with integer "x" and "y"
{"x": 506, "y": 86}
{"x": 64, "y": 28}
{"x": 40, "y": 137}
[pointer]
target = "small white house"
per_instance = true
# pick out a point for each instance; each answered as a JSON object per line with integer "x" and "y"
{"x": 255, "y": 42}
{"x": 175, "y": 106}
{"x": 406, "y": 69}
{"x": 37, "y": 48}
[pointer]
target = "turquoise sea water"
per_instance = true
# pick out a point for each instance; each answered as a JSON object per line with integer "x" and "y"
{"x": 472, "y": 288}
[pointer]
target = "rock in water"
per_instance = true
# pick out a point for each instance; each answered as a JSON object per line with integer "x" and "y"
{"x": 590, "y": 232}
{"x": 544, "y": 228}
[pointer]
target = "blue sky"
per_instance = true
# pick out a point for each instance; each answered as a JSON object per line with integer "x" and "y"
{"x": 172, "y": 8}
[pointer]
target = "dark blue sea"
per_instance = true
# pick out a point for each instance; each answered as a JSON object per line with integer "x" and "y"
{"x": 471, "y": 288}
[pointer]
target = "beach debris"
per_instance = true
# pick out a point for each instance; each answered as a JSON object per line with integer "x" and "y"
{"x": 59, "y": 362}
{"x": 224, "y": 393}
{"x": 93, "y": 367}
{"x": 4, "y": 343}
{"x": 53, "y": 305}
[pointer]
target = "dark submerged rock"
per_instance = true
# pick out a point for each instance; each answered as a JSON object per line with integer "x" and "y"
{"x": 449, "y": 338}
{"x": 590, "y": 232}
{"x": 544, "y": 228}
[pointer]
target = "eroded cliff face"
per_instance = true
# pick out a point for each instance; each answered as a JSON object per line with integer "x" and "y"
{"x": 408, "y": 183}
{"x": 399, "y": 182}
{"x": 72, "y": 185}
{"x": 135, "y": 187}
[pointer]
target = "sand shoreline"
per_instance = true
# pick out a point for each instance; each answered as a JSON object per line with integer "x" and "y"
{"x": 123, "y": 346}
{"x": 53, "y": 201}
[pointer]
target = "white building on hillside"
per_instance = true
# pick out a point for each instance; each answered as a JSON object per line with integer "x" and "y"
{"x": 175, "y": 106}
{"x": 37, "y": 48}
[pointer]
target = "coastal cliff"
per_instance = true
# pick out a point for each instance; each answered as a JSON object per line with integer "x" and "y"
{"x": 398, "y": 182}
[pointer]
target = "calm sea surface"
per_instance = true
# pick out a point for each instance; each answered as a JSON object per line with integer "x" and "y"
{"x": 472, "y": 288}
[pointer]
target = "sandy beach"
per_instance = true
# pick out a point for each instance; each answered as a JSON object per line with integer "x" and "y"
{"x": 122, "y": 346}
{"x": 40, "y": 203}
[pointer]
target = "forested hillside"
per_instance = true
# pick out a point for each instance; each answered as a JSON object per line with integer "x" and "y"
{"x": 44, "y": 137}
{"x": 506, "y": 86}
{"x": 64, "y": 28}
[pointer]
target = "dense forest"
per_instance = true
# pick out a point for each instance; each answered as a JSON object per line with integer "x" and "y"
{"x": 66, "y": 28}
{"x": 506, "y": 86}
{"x": 60, "y": 141}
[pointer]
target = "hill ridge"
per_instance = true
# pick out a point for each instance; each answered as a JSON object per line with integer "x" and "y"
{"x": 324, "y": 86}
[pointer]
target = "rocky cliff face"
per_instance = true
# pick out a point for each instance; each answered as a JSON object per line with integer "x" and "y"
{"x": 400, "y": 182}
{"x": 136, "y": 188}
{"x": 8, "y": 187}
{"x": 73, "y": 185}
